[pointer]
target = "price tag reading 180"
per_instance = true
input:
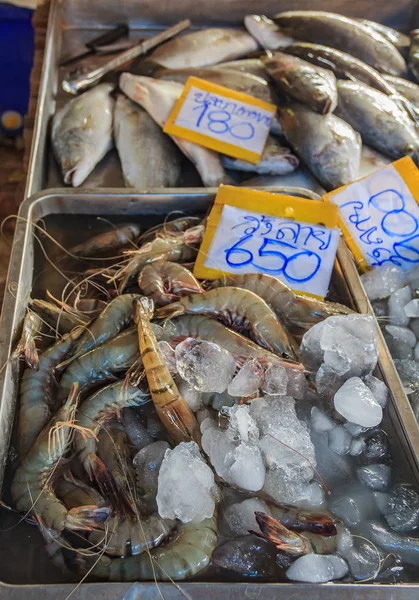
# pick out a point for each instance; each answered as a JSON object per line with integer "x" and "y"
{"x": 221, "y": 119}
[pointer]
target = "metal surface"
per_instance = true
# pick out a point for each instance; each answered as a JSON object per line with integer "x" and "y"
{"x": 26, "y": 572}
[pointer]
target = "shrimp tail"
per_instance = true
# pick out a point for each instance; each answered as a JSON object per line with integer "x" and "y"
{"x": 143, "y": 309}
{"x": 87, "y": 517}
{"x": 134, "y": 375}
{"x": 171, "y": 310}
{"x": 31, "y": 354}
{"x": 108, "y": 487}
{"x": 276, "y": 533}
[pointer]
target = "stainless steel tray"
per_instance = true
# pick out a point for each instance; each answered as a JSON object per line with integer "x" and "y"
{"x": 25, "y": 570}
{"x": 73, "y": 22}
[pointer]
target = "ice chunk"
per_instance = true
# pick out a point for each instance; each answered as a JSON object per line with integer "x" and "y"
{"x": 297, "y": 384}
{"x": 312, "y": 497}
{"x": 276, "y": 381}
{"x": 398, "y": 348}
{"x": 147, "y": 463}
{"x": 402, "y": 334}
{"x": 207, "y": 423}
{"x": 344, "y": 540}
{"x": 353, "y": 504}
{"x": 375, "y": 476}
{"x": 396, "y": 304}
{"x": 403, "y": 509}
{"x": 333, "y": 468}
{"x": 416, "y": 352}
{"x": 242, "y": 425}
{"x": 285, "y": 487}
{"x": 354, "y": 429}
{"x": 206, "y": 366}
{"x": 247, "y": 470}
{"x": 378, "y": 388}
{"x": 405, "y": 546}
{"x": 310, "y": 349}
{"x": 383, "y": 281}
{"x": 364, "y": 561}
{"x": 355, "y": 402}
{"x": 169, "y": 356}
{"x": 327, "y": 382}
{"x": 414, "y": 326}
{"x": 320, "y": 422}
{"x": 382, "y": 500}
{"x": 376, "y": 448}
{"x": 202, "y": 414}
{"x": 219, "y": 449}
{"x": 186, "y": 487}
{"x": 317, "y": 568}
{"x": 241, "y": 515}
{"x": 357, "y": 446}
{"x": 192, "y": 396}
{"x": 247, "y": 381}
{"x": 339, "y": 440}
{"x": 137, "y": 433}
{"x": 408, "y": 371}
{"x": 411, "y": 308}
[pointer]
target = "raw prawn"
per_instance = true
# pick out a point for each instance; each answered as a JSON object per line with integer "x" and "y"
{"x": 73, "y": 493}
{"x": 165, "y": 281}
{"x": 172, "y": 409}
{"x": 321, "y": 523}
{"x": 185, "y": 555}
{"x": 169, "y": 228}
{"x": 122, "y": 235}
{"x": 299, "y": 312}
{"x": 32, "y": 487}
{"x": 57, "y": 318}
{"x": 26, "y": 347}
{"x": 239, "y": 309}
{"x": 36, "y": 390}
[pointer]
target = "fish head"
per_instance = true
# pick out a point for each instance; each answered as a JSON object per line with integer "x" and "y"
{"x": 266, "y": 32}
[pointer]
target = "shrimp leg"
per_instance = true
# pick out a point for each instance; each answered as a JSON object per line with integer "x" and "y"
{"x": 26, "y": 347}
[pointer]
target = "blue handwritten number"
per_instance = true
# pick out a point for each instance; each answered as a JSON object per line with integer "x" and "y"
{"x": 201, "y": 116}
{"x": 217, "y": 121}
{"x": 236, "y": 249}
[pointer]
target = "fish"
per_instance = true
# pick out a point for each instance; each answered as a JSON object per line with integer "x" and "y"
{"x": 348, "y": 35}
{"x": 328, "y": 146}
{"x": 275, "y": 160}
{"x": 343, "y": 65}
{"x": 397, "y": 38}
{"x": 203, "y": 48}
{"x": 312, "y": 85}
{"x": 158, "y": 98}
{"x": 253, "y": 66}
{"x": 266, "y": 32}
{"x": 382, "y": 124}
{"x": 149, "y": 158}
{"x": 82, "y": 133}
{"x": 408, "y": 89}
{"x": 414, "y": 54}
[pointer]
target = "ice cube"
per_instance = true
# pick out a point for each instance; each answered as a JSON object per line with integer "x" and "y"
{"x": 297, "y": 384}
{"x": 147, "y": 463}
{"x": 408, "y": 371}
{"x": 344, "y": 540}
{"x": 357, "y": 446}
{"x": 285, "y": 487}
{"x": 402, "y": 334}
{"x": 202, "y": 414}
{"x": 242, "y": 426}
{"x": 320, "y": 422}
{"x": 192, "y": 396}
{"x": 207, "y": 423}
{"x": 218, "y": 448}
{"x": 378, "y": 388}
{"x": 414, "y": 326}
{"x": 310, "y": 349}
{"x": 333, "y": 468}
{"x": 339, "y": 440}
{"x": 241, "y": 515}
{"x": 364, "y": 561}
{"x": 206, "y": 366}
{"x": 353, "y": 504}
{"x": 405, "y": 546}
{"x": 411, "y": 308}
{"x": 355, "y": 429}
{"x": 396, "y": 304}
{"x": 416, "y": 352}
{"x": 312, "y": 497}
{"x": 276, "y": 381}
{"x": 169, "y": 356}
{"x": 186, "y": 487}
{"x": 402, "y": 512}
{"x": 375, "y": 476}
{"x": 398, "y": 348}
{"x": 317, "y": 568}
{"x": 382, "y": 500}
{"x": 137, "y": 434}
{"x": 247, "y": 381}
{"x": 247, "y": 470}
{"x": 383, "y": 281}
{"x": 376, "y": 448}
{"x": 355, "y": 402}
{"x": 327, "y": 382}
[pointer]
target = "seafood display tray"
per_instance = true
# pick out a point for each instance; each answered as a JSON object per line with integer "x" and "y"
{"x": 73, "y": 22}
{"x": 26, "y": 571}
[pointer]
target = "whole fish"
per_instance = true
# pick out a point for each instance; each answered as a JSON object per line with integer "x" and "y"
{"x": 381, "y": 123}
{"x": 343, "y": 65}
{"x": 266, "y": 32}
{"x": 345, "y": 34}
{"x": 414, "y": 54}
{"x": 149, "y": 158}
{"x": 408, "y": 89}
{"x": 82, "y": 133}
{"x": 328, "y": 146}
{"x": 203, "y": 48}
{"x": 275, "y": 160}
{"x": 158, "y": 98}
{"x": 398, "y": 39}
{"x": 253, "y": 66}
{"x": 302, "y": 81}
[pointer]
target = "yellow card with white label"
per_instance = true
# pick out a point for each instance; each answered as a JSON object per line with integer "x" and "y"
{"x": 223, "y": 120}
{"x": 379, "y": 216}
{"x": 252, "y": 231}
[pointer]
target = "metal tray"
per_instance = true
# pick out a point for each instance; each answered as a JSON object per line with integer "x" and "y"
{"x": 25, "y": 570}
{"x": 74, "y": 21}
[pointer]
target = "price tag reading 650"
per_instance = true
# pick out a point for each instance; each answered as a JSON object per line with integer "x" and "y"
{"x": 221, "y": 119}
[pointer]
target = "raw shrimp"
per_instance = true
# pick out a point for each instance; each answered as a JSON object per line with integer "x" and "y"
{"x": 188, "y": 553}
{"x": 120, "y": 236}
{"x": 321, "y": 523}
{"x": 165, "y": 281}
{"x": 169, "y": 228}
{"x": 57, "y": 318}
{"x": 131, "y": 536}
{"x": 32, "y": 487}
{"x": 293, "y": 543}
{"x": 239, "y": 309}
{"x": 299, "y": 312}
{"x": 36, "y": 390}
{"x": 99, "y": 408}
{"x": 26, "y": 346}
{"x": 174, "y": 412}
{"x": 180, "y": 248}
{"x": 73, "y": 493}
{"x": 100, "y": 364}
